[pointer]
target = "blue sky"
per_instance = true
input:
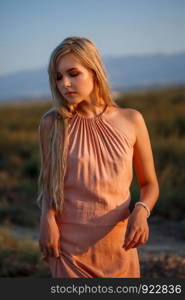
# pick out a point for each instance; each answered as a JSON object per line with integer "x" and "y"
{"x": 31, "y": 29}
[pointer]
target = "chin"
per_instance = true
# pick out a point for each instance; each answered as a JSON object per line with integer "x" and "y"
{"x": 73, "y": 101}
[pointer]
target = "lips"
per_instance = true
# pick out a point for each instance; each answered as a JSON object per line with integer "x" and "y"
{"x": 69, "y": 93}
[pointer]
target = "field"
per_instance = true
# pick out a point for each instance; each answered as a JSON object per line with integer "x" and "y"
{"x": 164, "y": 114}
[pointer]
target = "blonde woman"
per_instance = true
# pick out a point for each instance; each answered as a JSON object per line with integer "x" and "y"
{"x": 88, "y": 145}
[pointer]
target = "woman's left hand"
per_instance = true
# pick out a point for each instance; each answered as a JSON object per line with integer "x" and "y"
{"x": 137, "y": 231}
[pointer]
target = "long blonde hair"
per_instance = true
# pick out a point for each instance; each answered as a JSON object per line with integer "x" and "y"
{"x": 54, "y": 146}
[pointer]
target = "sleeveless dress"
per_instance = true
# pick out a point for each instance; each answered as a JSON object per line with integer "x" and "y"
{"x": 96, "y": 199}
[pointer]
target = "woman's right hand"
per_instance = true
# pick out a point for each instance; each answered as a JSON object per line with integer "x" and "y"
{"x": 49, "y": 239}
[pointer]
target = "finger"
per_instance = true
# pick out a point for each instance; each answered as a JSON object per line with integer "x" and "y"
{"x": 141, "y": 241}
{"x": 50, "y": 251}
{"x": 137, "y": 244}
{"x": 134, "y": 240}
{"x": 127, "y": 233}
{"x": 130, "y": 233}
{"x": 129, "y": 238}
{"x": 47, "y": 251}
{"x": 56, "y": 252}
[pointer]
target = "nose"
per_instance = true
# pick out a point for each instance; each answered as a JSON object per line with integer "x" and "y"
{"x": 66, "y": 82}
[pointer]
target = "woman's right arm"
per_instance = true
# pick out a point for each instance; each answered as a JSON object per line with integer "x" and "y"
{"x": 49, "y": 239}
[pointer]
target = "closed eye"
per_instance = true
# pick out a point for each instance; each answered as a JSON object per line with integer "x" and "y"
{"x": 72, "y": 75}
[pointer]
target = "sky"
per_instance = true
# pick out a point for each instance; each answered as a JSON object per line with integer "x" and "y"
{"x": 31, "y": 29}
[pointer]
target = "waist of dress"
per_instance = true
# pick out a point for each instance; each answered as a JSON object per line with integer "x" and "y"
{"x": 94, "y": 217}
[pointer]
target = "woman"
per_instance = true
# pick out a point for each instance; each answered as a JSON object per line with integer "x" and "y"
{"x": 87, "y": 145}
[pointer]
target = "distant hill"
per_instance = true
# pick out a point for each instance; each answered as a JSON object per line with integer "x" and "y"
{"x": 124, "y": 73}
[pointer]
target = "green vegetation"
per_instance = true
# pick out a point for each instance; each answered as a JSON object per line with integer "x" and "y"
{"x": 20, "y": 258}
{"x": 164, "y": 114}
{"x": 163, "y": 111}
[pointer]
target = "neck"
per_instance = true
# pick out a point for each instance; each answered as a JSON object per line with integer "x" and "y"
{"x": 89, "y": 110}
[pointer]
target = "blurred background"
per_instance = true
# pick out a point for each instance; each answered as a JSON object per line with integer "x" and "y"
{"x": 142, "y": 44}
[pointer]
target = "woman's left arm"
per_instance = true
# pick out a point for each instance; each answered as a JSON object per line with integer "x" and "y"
{"x": 137, "y": 232}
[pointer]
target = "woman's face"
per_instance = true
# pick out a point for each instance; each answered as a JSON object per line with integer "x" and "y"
{"x": 74, "y": 77}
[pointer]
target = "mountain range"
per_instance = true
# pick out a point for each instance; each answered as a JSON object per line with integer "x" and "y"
{"x": 125, "y": 73}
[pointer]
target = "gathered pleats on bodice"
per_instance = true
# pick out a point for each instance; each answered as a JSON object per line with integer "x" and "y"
{"x": 99, "y": 171}
{"x": 96, "y": 199}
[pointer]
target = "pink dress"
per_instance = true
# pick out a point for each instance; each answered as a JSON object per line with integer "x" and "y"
{"x": 97, "y": 196}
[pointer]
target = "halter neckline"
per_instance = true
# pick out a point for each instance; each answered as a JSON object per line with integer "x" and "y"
{"x": 92, "y": 118}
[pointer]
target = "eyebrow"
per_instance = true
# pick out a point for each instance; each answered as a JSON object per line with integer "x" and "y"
{"x": 69, "y": 69}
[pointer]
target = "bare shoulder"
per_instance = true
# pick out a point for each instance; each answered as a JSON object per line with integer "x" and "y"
{"x": 139, "y": 124}
{"x": 135, "y": 119}
{"x": 123, "y": 119}
{"x": 133, "y": 116}
{"x": 130, "y": 113}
